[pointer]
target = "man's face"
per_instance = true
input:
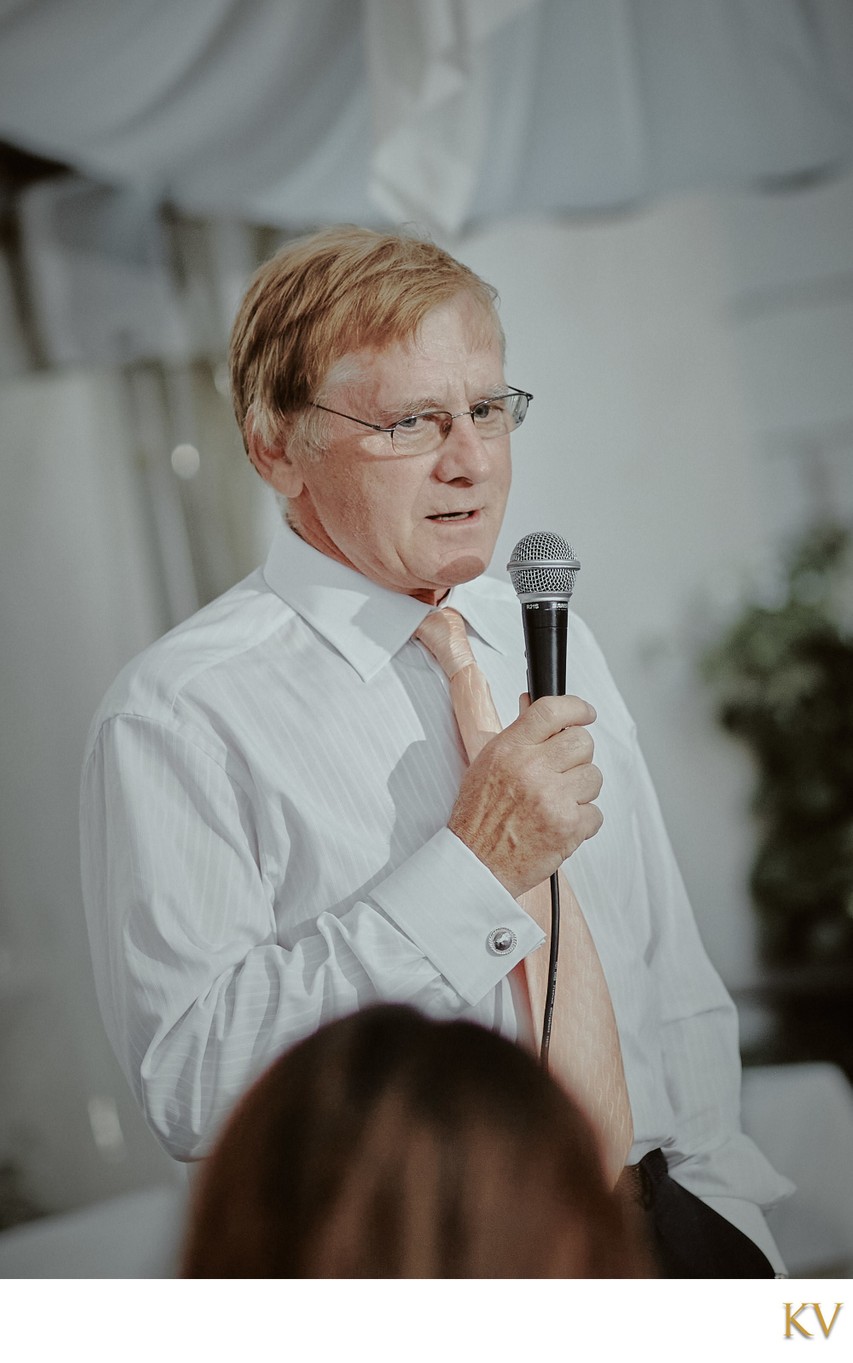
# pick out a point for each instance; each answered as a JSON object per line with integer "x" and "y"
{"x": 417, "y": 523}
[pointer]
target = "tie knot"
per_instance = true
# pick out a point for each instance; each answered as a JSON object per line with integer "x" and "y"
{"x": 443, "y": 633}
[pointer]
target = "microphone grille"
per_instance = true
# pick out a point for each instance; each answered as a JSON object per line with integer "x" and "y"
{"x": 543, "y": 564}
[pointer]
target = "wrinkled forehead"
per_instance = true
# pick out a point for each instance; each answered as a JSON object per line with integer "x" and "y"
{"x": 465, "y": 331}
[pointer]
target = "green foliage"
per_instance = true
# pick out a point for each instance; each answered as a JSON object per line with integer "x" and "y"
{"x": 783, "y": 680}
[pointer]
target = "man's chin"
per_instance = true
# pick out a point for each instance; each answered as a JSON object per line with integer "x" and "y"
{"x": 462, "y": 569}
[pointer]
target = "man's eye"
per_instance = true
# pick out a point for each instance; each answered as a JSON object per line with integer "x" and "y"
{"x": 410, "y": 423}
{"x": 484, "y": 410}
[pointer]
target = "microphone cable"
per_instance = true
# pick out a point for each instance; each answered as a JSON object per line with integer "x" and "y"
{"x": 551, "y": 990}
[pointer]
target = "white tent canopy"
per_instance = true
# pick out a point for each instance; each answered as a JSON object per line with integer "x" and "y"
{"x": 446, "y": 112}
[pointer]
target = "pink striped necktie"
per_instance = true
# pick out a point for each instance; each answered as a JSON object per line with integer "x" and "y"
{"x": 584, "y": 1048}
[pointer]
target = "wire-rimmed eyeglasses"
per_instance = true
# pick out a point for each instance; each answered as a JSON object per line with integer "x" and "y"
{"x": 423, "y": 432}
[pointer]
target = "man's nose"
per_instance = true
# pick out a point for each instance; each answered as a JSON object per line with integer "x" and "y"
{"x": 464, "y": 453}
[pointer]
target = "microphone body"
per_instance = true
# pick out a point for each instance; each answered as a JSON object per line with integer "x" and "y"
{"x": 542, "y": 570}
{"x": 546, "y": 627}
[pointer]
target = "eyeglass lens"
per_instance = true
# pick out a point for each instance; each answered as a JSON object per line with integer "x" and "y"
{"x": 426, "y": 430}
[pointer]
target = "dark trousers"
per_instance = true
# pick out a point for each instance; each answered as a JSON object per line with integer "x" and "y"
{"x": 687, "y": 1238}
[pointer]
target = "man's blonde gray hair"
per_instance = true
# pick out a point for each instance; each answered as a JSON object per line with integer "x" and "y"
{"x": 319, "y": 299}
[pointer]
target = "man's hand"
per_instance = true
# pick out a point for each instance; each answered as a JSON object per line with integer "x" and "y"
{"x": 525, "y": 804}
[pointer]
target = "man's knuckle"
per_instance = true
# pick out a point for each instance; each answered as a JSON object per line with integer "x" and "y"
{"x": 548, "y": 708}
{"x": 585, "y": 744}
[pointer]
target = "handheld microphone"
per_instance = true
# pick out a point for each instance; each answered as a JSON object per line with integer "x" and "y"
{"x": 542, "y": 571}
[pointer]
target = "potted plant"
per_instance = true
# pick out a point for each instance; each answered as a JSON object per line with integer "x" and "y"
{"x": 782, "y": 676}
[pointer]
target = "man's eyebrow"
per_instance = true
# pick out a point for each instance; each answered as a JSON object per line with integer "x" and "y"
{"x": 431, "y": 404}
{"x": 411, "y": 406}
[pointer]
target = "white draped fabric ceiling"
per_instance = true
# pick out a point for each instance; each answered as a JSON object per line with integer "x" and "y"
{"x": 443, "y": 112}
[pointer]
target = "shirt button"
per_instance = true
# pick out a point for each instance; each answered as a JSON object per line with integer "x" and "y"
{"x": 501, "y": 941}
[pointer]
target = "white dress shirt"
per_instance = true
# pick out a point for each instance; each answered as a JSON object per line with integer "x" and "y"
{"x": 264, "y": 847}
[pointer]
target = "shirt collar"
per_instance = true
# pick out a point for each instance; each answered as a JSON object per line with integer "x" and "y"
{"x": 366, "y": 623}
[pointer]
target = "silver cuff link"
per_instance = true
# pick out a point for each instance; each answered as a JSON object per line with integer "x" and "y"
{"x": 501, "y": 940}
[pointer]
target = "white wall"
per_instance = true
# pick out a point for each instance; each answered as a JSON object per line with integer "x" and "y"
{"x": 80, "y": 596}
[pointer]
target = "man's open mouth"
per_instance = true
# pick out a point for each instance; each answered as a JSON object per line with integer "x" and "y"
{"x": 452, "y": 516}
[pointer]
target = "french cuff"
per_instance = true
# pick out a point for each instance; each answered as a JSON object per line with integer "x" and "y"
{"x": 458, "y": 915}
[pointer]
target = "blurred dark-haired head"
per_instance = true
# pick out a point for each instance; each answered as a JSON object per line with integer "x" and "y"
{"x": 389, "y": 1145}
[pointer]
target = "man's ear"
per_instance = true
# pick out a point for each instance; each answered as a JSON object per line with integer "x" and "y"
{"x": 273, "y": 462}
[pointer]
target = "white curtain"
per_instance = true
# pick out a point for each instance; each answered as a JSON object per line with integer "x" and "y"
{"x": 440, "y": 111}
